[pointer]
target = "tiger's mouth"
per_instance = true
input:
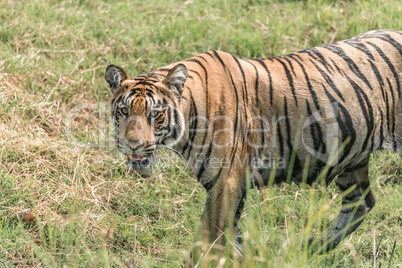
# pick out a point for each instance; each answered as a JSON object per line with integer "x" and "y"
{"x": 135, "y": 161}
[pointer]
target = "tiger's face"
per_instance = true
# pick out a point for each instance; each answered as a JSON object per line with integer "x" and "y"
{"x": 145, "y": 112}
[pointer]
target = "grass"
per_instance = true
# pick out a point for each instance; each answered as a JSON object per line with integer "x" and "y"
{"x": 90, "y": 211}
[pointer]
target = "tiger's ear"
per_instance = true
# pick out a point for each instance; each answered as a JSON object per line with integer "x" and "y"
{"x": 175, "y": 79}
{"x": 115, "y": 75}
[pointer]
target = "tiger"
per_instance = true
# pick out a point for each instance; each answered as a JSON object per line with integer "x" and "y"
{"x": 316, "y": 114}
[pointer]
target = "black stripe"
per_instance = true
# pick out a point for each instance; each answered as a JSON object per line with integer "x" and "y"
{"x": 167, "y": 127}
{"x": 174, "y": 133}
{"x": 367, "y": 112}
{"x": 322, "y": 60}
{"x": 155, "y": 75}
{"x": 118, "y": 100}
{"x": 381, "y": 130}
{"x": 152, "y": 86}
{"x": 280, "y": 139}
{"x": 387, "y": 106}
{"x": 310, "y": 88}
{"x": 341, "y": 72}
{"x": 197, "y": 73}
{"x": 209, "y": 54}
{"x": 190, "y": 77}
{"x": 384, "y": 96}
{"x": 291, "y": 65}
{"x": 256, "y": 87}
{"x": 361, "y": 47}
{"x": 391, "y": 67}
{"x": 316, "y": 55}
{"x": 194, "y": 126}
{"x": 317, "y": 137}
{"x": 287, "y": 123}
{"x": 290, "y": 79}
{"x": 379, "y": 78}
{"x": 393, "y": 114}
{"x": 235, "y": 145}
{"x": 271, "y": 90}
{"x": 203, "y": 58}
{"x": 328, "y": 80}
{"x": 352, "y": 65}
{"x": 296, "y": 164}
{"x": 206, "y": 101}
{"x": 391, "y": 41}
{"x": 244, "y": 80}
{"x": 346, "y": 125}
{"x": 208, "y": 153}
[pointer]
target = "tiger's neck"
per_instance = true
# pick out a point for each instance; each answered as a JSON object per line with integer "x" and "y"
{"x": 185, "y": 146}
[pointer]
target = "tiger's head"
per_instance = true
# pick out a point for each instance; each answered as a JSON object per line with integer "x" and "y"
{"x": 145, "y": 112}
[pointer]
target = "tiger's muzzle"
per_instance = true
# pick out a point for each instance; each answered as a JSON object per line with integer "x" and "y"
{"x": 139, "y": 155}
{"x": 140, "y": 162}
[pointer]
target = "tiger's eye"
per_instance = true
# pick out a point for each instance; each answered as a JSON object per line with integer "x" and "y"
{"x": 154, "y": 113}
{"x": 124, "y": 110}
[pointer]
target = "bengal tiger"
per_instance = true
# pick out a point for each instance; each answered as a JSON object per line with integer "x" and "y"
{"x": 319, "y": 113}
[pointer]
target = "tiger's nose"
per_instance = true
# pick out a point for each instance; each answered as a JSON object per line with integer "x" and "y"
{"x": 135, "y": 145}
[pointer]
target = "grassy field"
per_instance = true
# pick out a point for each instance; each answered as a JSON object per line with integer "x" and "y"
{"x": 57, "y": 155}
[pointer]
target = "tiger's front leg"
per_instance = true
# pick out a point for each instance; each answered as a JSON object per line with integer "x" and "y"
{"x": 221, "y": 213}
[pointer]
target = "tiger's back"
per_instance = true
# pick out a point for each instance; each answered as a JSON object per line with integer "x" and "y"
{"x": 259, "y": 104}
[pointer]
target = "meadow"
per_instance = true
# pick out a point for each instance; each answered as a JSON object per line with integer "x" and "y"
{"x": 57, "y": 152}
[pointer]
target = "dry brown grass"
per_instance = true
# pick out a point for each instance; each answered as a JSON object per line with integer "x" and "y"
{"x": 46, "y": 164}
